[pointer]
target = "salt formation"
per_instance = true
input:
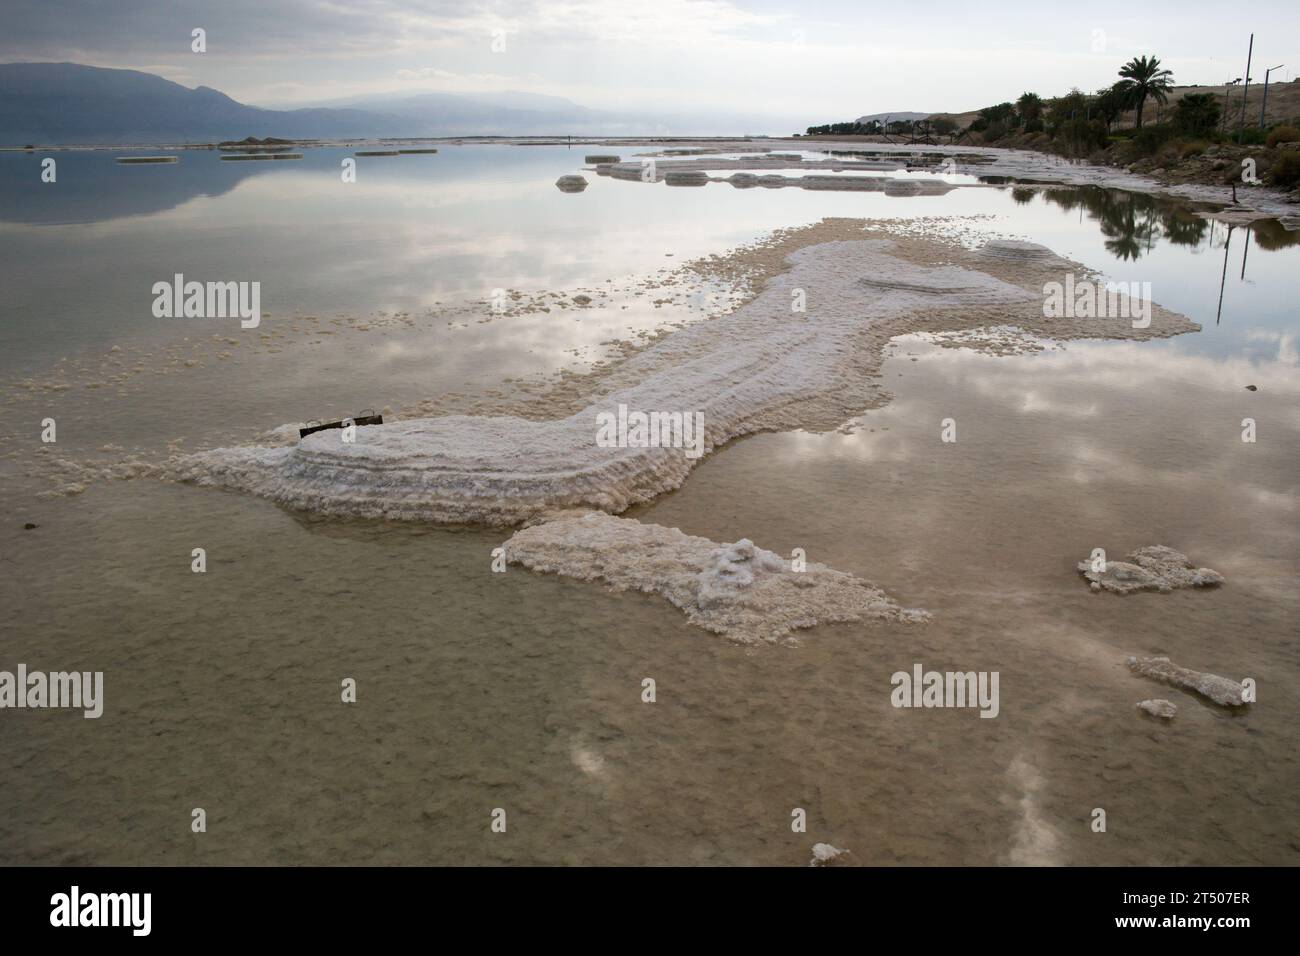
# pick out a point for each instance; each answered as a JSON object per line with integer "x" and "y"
{"x": 1222, "y": 691}
{"x": 1155, "y": 568}
{"x": 750, "y": 370}
{"x": 571, "y": 184}
{"x": 755, "y": 369}
{"x": 855, "y": 183}
{"x": 601, "y": 158}
{"x": 739, "y": 590}
{"x": 823, "y": 854}
{"x": 688, "y": 177}
{"x": 902, "y": 187}
{"x": 695, "y": 172}
{"x": 1014, "y": 250}
{"x": 1159, "y": 707}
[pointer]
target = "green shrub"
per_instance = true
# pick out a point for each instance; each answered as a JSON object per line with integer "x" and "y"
{"x": 1148, "y": 140}
{"x": 1286, "y": 171}
{"x": 994, "y": 130}
{"x": 1197, "y": 114}
{"x": 1282, "y": 134}
{"x": 1250, "y": 136}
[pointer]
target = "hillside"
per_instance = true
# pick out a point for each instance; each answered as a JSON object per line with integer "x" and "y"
{"x": 1283, "y": 104}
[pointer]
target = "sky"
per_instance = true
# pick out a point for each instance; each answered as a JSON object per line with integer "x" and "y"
{"x": 818, "y": 62}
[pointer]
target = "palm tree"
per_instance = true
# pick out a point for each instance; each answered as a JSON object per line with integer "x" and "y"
{"x": 1030, "y": 107}
{"x": 1142, "y": 77}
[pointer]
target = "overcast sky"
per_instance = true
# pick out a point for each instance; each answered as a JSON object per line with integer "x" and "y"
{"x": 821, "y": 61}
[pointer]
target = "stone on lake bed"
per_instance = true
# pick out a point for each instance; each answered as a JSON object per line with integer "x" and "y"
{"x": 1158, "y": 707}
{"x": 823, "y": 854}
{"x": 571, "y": 184}
{"x": 1154, "y": 568}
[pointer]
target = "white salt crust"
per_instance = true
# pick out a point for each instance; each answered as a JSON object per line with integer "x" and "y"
{"x": 762, "y": 367}
{"x": 1226, "y": 693}
{"x": 739, "y": 590}
{"x": 823, "y": 854}
{"x": 1154, "y": 568}
{"x": 1158, "y": 707}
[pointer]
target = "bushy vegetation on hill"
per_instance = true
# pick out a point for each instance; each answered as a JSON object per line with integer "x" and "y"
{"x": 1193, "y": 141}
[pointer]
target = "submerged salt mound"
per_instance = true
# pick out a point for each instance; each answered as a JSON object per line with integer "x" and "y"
{"x": 951, "y": 288}
{"x": 738, "y": 590}
{"x": 1222, "y": 691}
{"x": 1158, "y": 707}
{"x": 571, "y": 184}
{"x": 823, "y": 854}
{"x": 1015, "y": 250}
{"x": 1154, "y": 568}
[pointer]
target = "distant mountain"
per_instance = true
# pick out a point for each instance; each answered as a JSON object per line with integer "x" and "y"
{"x": 458, "y": 114}
{"x": 893, "y": 117}
{"x": 67, "y": 103}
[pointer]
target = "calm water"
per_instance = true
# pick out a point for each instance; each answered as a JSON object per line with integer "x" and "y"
{"x": 478, "y": 691}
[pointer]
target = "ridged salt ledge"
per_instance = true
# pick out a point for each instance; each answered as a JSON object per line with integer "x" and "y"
{"x": 738, "y": 590}
{"x": 762, "y": 367}
{"x": 1221, "y": 690}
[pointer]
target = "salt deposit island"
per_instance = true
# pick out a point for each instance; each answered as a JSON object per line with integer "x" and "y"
{"x": 763, "y": 366}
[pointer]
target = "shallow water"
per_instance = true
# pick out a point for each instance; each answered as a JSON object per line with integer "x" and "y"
{"x": 479, "y": 690}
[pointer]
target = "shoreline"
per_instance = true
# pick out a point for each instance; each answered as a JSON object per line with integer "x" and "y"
{"x": 1028, "y": 166}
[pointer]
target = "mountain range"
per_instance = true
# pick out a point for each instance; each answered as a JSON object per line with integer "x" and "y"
{"x": 69, "y": 103}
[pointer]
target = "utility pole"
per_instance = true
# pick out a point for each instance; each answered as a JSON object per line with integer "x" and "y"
{"x": 1265, "y": 103}
{"x": 1241, "y": 124}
